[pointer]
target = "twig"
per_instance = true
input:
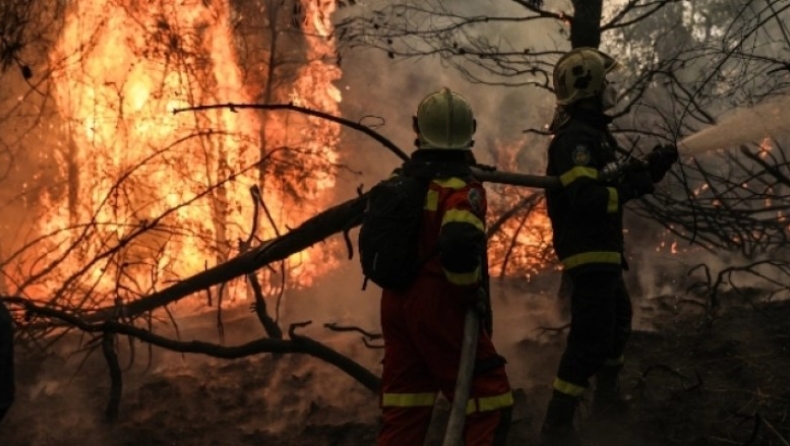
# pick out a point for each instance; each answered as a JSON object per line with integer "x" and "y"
{"x": 220, "y": 324}
{"x": 208, "y": 289}
{"x": 116, "y": 381}
{"x": 349, "y": 244}
{"x": 642, "y": 381}
{"x": 310, "y": 112}
{"x": 773, "y": 429}
{"x": 755, "y": 430}
{"x": 335, "y": 327}
{"x": 259, "y": 306}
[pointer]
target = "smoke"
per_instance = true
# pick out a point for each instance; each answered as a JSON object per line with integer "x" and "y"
{"x": 391, "y": 88}
{"x": 740, "y": 126}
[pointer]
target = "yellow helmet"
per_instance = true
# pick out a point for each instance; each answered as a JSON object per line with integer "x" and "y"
{"x": 444, "y": 121}
{"x": 581, "y": 73}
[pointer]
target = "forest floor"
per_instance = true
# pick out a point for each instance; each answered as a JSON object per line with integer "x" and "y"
{"x": 692, "y": 380}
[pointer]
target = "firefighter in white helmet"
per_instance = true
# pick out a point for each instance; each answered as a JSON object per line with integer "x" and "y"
{"x": 587, "y": 221}
{"x": 423, "y": 320}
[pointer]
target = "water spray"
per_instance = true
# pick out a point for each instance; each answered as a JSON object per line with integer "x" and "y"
{"x": 741, "y": 126}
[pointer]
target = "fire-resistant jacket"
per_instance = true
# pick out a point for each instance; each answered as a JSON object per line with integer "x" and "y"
{"x": 452, "y": 234}
{"x": 454, "y": 226}
{"x": 586, "y": 213}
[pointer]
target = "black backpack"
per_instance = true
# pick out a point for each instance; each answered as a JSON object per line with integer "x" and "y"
{"x": 389, "y": 237}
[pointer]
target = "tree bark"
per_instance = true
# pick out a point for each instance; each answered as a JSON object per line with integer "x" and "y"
{"x": 586, "y": 24}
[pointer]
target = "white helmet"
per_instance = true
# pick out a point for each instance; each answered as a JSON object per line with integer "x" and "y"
{"x": 445, "y": 121}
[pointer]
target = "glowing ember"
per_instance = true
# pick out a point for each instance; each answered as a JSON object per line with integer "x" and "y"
{"x": 154, "y": 197}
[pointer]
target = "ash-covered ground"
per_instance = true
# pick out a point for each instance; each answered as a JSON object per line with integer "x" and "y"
{"x": 693, "y": 381}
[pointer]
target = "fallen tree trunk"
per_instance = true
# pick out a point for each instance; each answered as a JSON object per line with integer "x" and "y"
{"x": 342, "y": 217}
{"x": 516, "y": 179}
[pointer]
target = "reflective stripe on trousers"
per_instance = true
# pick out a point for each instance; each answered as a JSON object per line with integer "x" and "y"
{"x": 480, "y": 404}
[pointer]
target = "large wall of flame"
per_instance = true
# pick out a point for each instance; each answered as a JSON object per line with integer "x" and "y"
{"x": 141, "y": 197}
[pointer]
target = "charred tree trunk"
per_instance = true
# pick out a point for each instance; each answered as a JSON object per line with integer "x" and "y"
{"x": 586, "y": 24}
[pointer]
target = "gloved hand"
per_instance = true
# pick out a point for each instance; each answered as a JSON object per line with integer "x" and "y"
{"x": 636, "y": 184}
{"x": 660, "y": 160}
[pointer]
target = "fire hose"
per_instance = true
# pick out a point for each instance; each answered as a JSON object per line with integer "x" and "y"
{"x": 609, "y": 172}
{"x": 466, "y": 367}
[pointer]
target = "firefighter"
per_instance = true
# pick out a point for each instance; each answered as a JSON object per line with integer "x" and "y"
{"x": 423, "y": 324}
{"x": 587, "y": 219}
{"x": 6, "y": 360}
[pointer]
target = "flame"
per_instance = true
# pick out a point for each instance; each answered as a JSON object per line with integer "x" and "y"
{"x": 522, "y": 247}
{"x": 765, "y": 147}
{"x": 153, "y": 197}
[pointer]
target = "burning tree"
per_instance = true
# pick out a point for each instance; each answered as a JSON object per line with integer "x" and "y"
{"x": 123, "y": 214}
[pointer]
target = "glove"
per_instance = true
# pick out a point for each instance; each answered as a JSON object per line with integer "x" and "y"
{"x": 636, "y": 184}
{"x": 660, "y": 160}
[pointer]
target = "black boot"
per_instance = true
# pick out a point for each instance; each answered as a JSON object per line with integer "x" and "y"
{"x": 608, "y": 399}
{"x": 558, "y": 427}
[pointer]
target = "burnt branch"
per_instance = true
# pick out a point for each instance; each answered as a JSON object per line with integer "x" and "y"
{"x": 366, "y": 335}
{"x": 116, "y": 378}
{"x": 259, "y": 306}
{"x": 341, "y": 328}
{"x": 725, "y": 279}
{"x": 297, "y": 344}
{"x": 310, "y": 112}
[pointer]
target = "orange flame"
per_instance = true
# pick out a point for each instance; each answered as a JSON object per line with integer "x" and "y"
{"x": 522, "y": 246}
{"x": 154, "y": 197}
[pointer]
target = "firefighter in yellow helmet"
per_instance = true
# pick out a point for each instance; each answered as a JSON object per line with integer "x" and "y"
{"x": 423, "y": 318}
{"x": 587, "y": 221}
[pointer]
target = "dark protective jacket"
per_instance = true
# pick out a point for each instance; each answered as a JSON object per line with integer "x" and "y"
{"x": 586, "y": 213}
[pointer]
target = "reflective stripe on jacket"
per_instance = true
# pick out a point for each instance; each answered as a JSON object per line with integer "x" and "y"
{"x": 454, "y": 229}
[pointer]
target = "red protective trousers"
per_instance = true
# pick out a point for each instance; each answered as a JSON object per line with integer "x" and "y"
{"x": 423, "y": 331}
